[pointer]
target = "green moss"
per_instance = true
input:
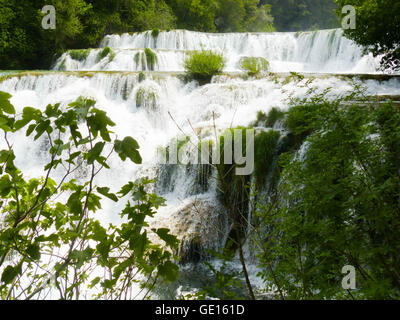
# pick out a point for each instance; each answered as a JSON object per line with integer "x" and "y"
{"x": 203, "y": 65}
{"x": 151, "y": 59}
{"x": 254, "y": 65}
{"x": 137, "y": 58}
{"x": 155, "y": 33}
{"x": 62, "y": 66}
{"x": 107, "y": 51}
{"x": 79, "y": 55}
{"x": 142, "y": 77}
{"x": 146, "y": 99}
{"x": 265, "y": 149}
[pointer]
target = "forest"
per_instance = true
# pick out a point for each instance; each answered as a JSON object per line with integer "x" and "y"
{"x": 83, "y": 23}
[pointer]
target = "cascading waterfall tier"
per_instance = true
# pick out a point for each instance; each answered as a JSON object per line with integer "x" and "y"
{"x": 318, "y": 51}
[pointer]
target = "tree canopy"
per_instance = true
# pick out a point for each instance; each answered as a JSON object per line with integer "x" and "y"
{"x": 377, "y": 28}
{"x": 300, "y": 15}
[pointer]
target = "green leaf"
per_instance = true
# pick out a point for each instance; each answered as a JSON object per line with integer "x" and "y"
{"x": 81, "y": 256}
{"x": 82, "y": 106}
{"x": 105, "y": 192}
{"x": 95, "y": 152}
{"x": 5, "y": 155}
{"x": 94, "y": 282}
{"x": 29, "y": 113}
{"x": 169, "y": 271}
{"x": 104, "y": 249}
{"x": 10, "y": 273}
{"x": 98, "y": 122}
{"x": 108, "y": 284}
{"x": 5, "y": 104}
{"x": 126, "y": 189}
{"x": 52, "y": 111}
{"x": 74, "y": 203}
{"x": 99, "y": 233}
{"x": 33, "y": 250}
{"x": 41, "y": 128}
{"x": 127, "y": 148}
{"x": 5, "y": 185}
{"x": 169, "y": 239}
{"x": 30, "y": 129}
{"x": 137, "y": 243}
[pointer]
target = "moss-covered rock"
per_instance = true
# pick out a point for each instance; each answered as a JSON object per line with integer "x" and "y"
{"x": 254, "y": 65}
{"x": 107, "y": 51}
{"x": 151, "y": 59}
{"x": 146, "y": 98}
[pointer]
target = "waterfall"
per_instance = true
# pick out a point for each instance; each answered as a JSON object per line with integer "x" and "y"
{"x": 318, "y": 51}
{"x": 156, "y": 107}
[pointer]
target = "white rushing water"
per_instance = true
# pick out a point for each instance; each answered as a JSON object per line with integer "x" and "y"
{"x": 319, "y": 51}
{"x": 159, "y": 108}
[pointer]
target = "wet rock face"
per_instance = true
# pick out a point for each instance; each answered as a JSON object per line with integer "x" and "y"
{"x": 201, "y": 224}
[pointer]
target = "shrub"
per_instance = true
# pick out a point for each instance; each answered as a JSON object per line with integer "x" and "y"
{"x": 79, "y": 55}
{"x": 254, "y": 65}
{"x": 203, "y": 65}
{"x": 268, "y": 120}
{"x": 341, "y": 191}
{"x": 273, "y": 116}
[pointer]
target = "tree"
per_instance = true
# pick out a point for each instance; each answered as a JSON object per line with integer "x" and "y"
{"x": 377, "y": 28}
{"x": 19, "y": 34}
{"x": 336, "y": 203}
{"x": 243, "y": 15}
{"x": 195, "y": 14}
{"x": 50, "y": 240}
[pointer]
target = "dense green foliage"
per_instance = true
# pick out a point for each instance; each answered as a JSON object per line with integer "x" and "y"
{"x": 222, "y": 15}
{"x": 337, "y": 203}
{"x": 83, "y": 23}
{"x": 377, "y": 28}
{"x": 300, "y": 15}
{"x": 50, "y": 238}
{"x": 24, "y": 44}
{"x": 79, "y": 55}
{"x": 203, "y": 65}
